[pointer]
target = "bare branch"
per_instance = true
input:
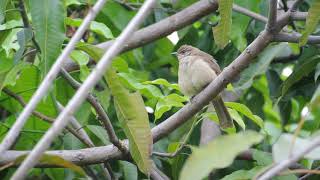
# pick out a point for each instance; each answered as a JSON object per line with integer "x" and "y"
{"x": 103, "y": 117}
{"x": 78, "y": 128}
{"x": 83, "y": 91}
{"x": 292, "y": 159}
{"x": 294, "y": 38}
{"x": 299, "y": 16}
{"x": 272, "y": 16}
{"x": 168, "y": 25}
{"x": 47, "y": 82}
{"x": 249, "y": 13}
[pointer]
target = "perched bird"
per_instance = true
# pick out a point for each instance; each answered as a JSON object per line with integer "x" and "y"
{"x": 196, "y": 70}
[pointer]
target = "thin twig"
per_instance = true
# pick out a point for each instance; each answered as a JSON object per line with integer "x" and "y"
{"x": 102, "y": 115}
{"x": 83, "y": 91}
{"x": 249, "y": 13}
{"x": 182, "y": 144}
{"x": 13, "y": 133}
{"x": 44, "y": 117}
{"x": 308, "y": 174}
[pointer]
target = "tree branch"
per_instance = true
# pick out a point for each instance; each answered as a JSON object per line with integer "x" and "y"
{"x": 14, "y": 131}
{"x": 249, "y": 13}
{"x": 81, "y": 94}
{"x": 272, "y": 16}
{"x": 294, "y": 38}
{"x": 292, "y": 159}
{"x": 102, "y": 115}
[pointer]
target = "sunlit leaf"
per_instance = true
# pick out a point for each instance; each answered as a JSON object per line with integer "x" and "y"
{"x": 236, "y": 117}
{"x": 243, "y": 109}
{"x": 221, "y": 32}
{"x": 10, "y": 25}
{"x": 24, "y": 36}
{"x": 167, "y": 102}
{"x": 163, "y": 82}
{"x": 311, "y": 22}
{"x": 218, "y": 154}
{"x": 96, "y": 27}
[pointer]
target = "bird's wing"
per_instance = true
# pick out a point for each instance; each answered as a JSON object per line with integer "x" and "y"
{"x": 211, "y": 61}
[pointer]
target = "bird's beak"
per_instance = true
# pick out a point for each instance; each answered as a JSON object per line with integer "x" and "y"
{"x": 174, "y": 53}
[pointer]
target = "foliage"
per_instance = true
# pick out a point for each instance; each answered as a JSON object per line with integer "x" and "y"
{"x": 268, "y": 100}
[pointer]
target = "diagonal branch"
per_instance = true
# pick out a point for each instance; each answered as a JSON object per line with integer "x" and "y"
{"x": 103, "y": 117}
{"x": 83, "y": 91}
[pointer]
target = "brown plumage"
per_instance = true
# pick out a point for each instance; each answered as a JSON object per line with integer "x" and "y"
{"x": 196, "y": 70}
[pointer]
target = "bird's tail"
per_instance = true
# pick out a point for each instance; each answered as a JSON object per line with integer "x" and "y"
{"x": 222, "y": 112}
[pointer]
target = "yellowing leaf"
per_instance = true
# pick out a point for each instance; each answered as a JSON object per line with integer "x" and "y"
{"x": 53, "y": 160}
{"x": 134, "y": 120}
{"x": 131, "y": 113}
{"x": 221, "y": 32}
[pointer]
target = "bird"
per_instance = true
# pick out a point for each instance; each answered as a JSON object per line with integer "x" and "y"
{"x": 196, "y": 70}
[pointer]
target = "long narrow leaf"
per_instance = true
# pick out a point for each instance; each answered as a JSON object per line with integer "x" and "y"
{"x": 48, "y": 22}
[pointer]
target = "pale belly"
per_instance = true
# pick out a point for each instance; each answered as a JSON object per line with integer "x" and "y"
{"x": 193, "y": 76}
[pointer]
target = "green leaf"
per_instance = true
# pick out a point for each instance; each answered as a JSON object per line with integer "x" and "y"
{"x": 96, "y": 27}
{"x": 13, "y": 74}
{"x": 299, "y": 72}
{"x": 221, "y": 32}
{"x": 100, "y": 132}
{"x": 311, "y": 22}
{"x": 3, "y": 5}
{"x": 129, "y": 170}
{"x": 10, "y": 25}
{"x": 258, "y": 67}
{"x": 82, "y": 60}
{"x": 117, "y": 14}
{"x": 236, "y": 116}
{"x": 149, "y": 91}
{"x": 24, "y": 36}
{"x": 134, "y": 120}
{"x": 163, "y": 82}
{"x": 240, "y": 23}
{"x": 10, "y": 43}
{"x": 282, "y": 148}
{"x": 48, "y": 22}
{"x": 243, "y": 109}
{"x": 262, "y": 158}
{"x": 53, "y": 160}
{"x": 167, "y": 102}
{"x": 244, "y": 174}
{"x": 218, "y": 154}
